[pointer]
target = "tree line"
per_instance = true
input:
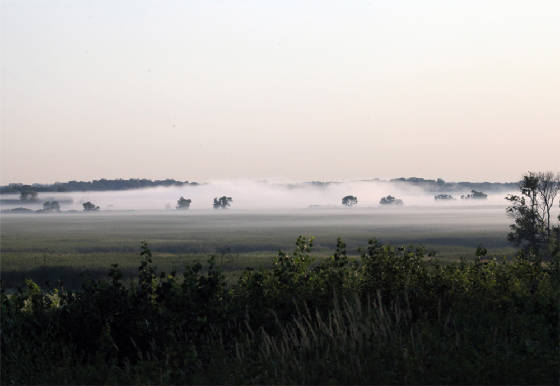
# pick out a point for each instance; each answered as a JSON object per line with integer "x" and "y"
{"x": 28, "y": 191}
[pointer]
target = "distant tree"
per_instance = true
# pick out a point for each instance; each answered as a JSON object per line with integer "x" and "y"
{"x": 222, "y": 203}
{"x": 90, "y": 207}
{"x": 532, "y": 229}
{"x": 390, "y": 200}
{"x": 183, "y": 203}
{"x": 474, "y": 195}
{"x": 547, "y": 190}
{"x": 51, "y": 206}
{"x": 27, "y": 193}
{"x": 349, "y": 201}
{"x": 443, "y": 197}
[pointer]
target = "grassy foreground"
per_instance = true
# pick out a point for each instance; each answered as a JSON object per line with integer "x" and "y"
{"x": 390, "y": 316}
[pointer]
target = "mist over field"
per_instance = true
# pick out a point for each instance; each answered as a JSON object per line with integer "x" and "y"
{"x": 258, "y": 195}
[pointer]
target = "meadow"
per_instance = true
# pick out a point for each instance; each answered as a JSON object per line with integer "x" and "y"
{"x": 74, "y": 246}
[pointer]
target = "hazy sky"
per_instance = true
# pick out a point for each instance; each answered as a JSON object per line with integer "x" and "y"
{"x": 464, "y": 90}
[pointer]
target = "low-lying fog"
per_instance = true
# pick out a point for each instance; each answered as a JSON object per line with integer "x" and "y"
{"x": 254, "y": 195}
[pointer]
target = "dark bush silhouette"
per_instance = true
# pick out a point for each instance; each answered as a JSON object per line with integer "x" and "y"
{"x": 183, "y": 203}
{"x": 349, "y": 201}
{"x": 51, "y": 206}
{"x": 223, "y": 202}
{"x": 390, "y": 200}
{"x": 474, "y": 195}
{"x": 443, "y": 197}
{"x": 90, "y": 207}
{"x": 27, "y": 193}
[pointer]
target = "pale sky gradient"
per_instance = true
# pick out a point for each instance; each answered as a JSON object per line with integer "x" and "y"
{"x": 463, "y": 90}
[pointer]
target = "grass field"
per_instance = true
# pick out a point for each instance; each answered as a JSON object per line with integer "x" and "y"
{"x": 73, "y": 246}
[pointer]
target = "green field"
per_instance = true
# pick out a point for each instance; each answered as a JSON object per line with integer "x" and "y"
{"x": 73, "y": 246}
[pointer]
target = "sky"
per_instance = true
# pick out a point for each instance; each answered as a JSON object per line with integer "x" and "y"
{"x": 302, "y": 90}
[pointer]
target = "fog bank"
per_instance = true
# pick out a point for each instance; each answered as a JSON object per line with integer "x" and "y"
{"x": 256, "y": 195}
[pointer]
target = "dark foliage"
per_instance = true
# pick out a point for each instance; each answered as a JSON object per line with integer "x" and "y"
{"x": 223, "y": 202}
{"x": 183, "y": 203}
{"x": 349, "y": 201}
{"x": 85, "y": 186}
{"x": 90, "y": 207}
{"x": 474, "y": 195}
{"x": 441, "y": 185}
{"x": 390, "y": 200}
{"x": 51, "y": 206}
{"x": 389, "y": 317}
{"x": 27, "y": 193}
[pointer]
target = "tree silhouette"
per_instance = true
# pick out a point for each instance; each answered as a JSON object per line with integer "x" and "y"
{"x": 349, "y": 201}
{"x": 474, "y": 195}
{"x": 390, "y": 200}
{"x": 90, "y": 207}
{"x": 183, "y": 203}
{"x": 222, "y": 203}
{"x": 532, "y": 229}
{"x": 27, "y": 193}
{"x": 443, "y": 197}
{"x": 51, "y": 206}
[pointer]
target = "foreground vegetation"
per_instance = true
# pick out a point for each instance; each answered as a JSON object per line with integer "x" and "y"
{"x": 389, "y": 317}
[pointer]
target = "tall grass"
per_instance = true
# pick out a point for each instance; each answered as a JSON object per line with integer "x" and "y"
{"x": 359, "y": 342}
